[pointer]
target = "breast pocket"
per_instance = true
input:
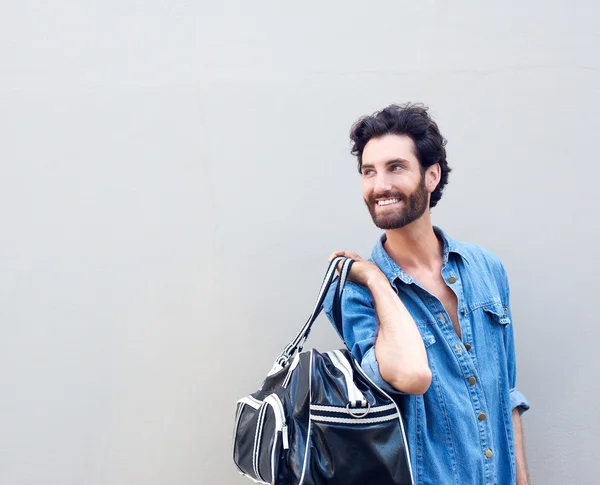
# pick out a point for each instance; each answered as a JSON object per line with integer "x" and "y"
{"x": 497, "y": 313}
{"x": 491, "y": 322}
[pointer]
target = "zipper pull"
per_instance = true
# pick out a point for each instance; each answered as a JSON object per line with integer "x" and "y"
{"x": 284, "y": 435}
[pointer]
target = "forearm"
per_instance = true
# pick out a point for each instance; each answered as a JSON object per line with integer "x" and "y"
{"x": 399, "y": 346}
{"x": 521, "y": 465}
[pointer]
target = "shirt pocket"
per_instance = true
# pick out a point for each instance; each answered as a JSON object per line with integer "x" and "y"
{"x": 490, "y": 340}
{"x": 497, "y": 313}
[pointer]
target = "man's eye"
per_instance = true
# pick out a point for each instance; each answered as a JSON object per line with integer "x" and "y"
{"x": 397, "y": 168}
{"x": 367, "y": 173}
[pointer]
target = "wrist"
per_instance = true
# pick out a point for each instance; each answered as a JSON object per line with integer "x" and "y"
{"x": 377, "y": 280}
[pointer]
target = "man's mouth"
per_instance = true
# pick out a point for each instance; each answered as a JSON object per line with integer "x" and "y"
{"x": 384, "y": 202}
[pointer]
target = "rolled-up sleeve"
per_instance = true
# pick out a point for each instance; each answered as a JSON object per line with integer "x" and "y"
{"x": 517, "y": 398}
{"x": 371, "y": 367}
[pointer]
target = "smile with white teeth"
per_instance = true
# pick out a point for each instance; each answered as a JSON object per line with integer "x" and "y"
{"x": 387, "y": 202}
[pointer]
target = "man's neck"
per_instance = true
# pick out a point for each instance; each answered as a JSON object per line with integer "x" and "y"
{"x": 415, "y": 247}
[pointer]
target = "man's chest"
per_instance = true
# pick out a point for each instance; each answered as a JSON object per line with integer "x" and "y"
{"x": 437, "y": 287}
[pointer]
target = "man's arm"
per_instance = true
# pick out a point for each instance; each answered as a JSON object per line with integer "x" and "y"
{"x": 521, "y": 465}
{"x": 399, "y": 347}
{"x": 399, "y": 351}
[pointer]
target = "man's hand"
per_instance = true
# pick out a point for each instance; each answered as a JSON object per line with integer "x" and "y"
{"x": 362, "y": 272}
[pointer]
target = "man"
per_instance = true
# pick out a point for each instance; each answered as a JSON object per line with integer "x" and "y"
{"x": 428, "y": 318}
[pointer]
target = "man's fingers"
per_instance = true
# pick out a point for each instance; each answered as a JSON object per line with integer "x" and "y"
{"x": 353, "y": 255}
{"x": 346, "y": 254}
{"x": 336, "y": 254}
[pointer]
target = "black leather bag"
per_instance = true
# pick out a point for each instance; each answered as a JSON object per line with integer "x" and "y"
{"x": 319, "y": 419}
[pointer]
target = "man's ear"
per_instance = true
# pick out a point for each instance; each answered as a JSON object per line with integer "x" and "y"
{"x": 433, "y": 175}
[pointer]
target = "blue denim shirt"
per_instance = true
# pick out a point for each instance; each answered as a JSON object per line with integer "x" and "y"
{"x": 460, "y": 431}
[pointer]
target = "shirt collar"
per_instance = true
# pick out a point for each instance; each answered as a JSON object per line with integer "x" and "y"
{"x": 391, "y": 269}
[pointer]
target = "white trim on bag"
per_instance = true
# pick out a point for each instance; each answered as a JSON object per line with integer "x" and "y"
{"x": 273, "y": 458}
{"x": 343, "y": 277}
{"x": 341, "y": 363}
{"x": 251, "y": 401}
{"x": 342, "y": 409}
{"x": 309, "y": 420}
{"x": 274, "y": 401}
{"x": 357, "y": 421}
{"x": 253, "y": 479}
{"x": 293, "y": 365}
{"x": 257, "y": 439}
{"x": 240, "y": 407}
{"x": 275, "y": 369}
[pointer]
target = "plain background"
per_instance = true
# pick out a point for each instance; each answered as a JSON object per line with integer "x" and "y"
{"x": 175, "y": 175}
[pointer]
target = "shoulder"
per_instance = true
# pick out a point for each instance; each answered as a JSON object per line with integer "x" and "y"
{"x": 485, "y": 266}
{"x": 481, "y": 256}
{"x": 477, "y": 257}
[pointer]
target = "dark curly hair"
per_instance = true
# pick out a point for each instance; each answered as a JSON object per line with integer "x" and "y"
{"x": 410, "y": 119}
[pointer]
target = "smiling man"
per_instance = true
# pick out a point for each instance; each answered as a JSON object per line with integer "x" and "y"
{"x": 428, "y": 317}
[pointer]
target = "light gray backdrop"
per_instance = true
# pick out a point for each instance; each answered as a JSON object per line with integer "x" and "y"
{"x": 175, "y": 175}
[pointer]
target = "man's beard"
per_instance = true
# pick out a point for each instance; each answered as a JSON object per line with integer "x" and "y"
{"x": 414, "y": 206}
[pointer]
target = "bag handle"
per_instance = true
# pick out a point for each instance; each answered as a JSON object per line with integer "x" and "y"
{"x": 341, "y": 281}
{"x": 330, "y": 277}
{"x": 298, "y": 341}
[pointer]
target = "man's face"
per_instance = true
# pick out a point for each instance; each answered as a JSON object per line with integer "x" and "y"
{"x": 392, "y": 182}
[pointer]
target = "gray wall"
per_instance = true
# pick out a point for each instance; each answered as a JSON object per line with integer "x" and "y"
{"x": 175, "y": 175}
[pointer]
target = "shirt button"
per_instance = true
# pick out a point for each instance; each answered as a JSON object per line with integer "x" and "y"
{"x": 488, "y": 453}
{"x": 472, "y": 381}
{"x": 452, "y": 279}
{"x": 468, "y": 347}
{"x": 481, "y": 417}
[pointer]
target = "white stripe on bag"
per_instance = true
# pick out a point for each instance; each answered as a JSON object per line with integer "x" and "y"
{"x": 331, "y": 419}
{"x": 250, "y": 401}
{"x": 336, "y": 409}
{"x": 308, "y": 434}
{"x": 257, "y": 440}
{"x": 340, "y": 362}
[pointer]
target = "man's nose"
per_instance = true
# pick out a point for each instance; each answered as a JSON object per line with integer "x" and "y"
{"x": 382, "y": 184}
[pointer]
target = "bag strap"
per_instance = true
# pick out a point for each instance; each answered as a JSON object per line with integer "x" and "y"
{"x": 330, "y": 277}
